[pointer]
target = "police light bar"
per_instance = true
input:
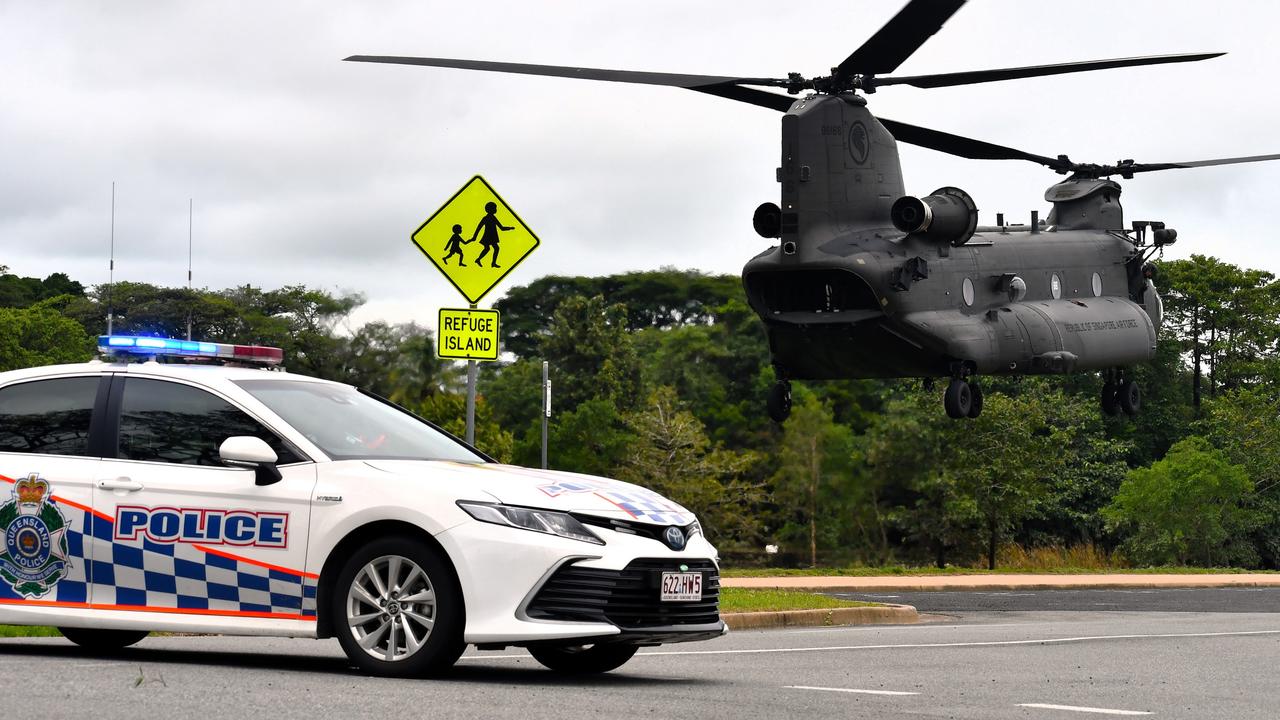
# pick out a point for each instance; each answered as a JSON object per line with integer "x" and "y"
{"x": 139, "y": 345}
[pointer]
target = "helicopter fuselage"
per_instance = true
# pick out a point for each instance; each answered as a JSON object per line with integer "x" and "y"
{"x": 846, "y": 294}
{"x": 858, "y": 312}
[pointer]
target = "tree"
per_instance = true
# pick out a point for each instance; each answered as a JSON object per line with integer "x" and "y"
{"x": 397, "y": 362}
{"x": 1245, "y": 425}
{"x": 1225, "y": 317}
{"x": 592, "y": 354}
{"x": 1190, "y": 507}
{"x": 814, "y": 469}
{"x": 449, "y": 411}
{"x": 654, "y": 299}
{"x": 40, "y": 337}
{"x": 671, "y": 455}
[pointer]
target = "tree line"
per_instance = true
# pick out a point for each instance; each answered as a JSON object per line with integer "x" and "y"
{"x": 660, "y": 376}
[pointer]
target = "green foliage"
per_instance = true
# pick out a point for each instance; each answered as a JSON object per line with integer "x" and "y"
{"x": 40, "y": 337}
{"x": 1190, "y": 507}
{"x": 591, "y": 439}
{"x": 449, "y": 411}
{"x": 671, "y": 455}
{"x": 1226, "y": 319}
{"x": 660, "y": 378}
{"x": 815, "y": 476}
{"x": 592, "y": 354}
{"x": 398, "y": 362}
{"x": 655, "y": 299}
{"x": 22, "y": 292}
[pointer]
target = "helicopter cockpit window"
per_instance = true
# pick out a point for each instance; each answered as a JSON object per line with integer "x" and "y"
{"x": 1097, "y": 285}
{"x": 1055, "y": 286}
{"x": 966, "y": 291}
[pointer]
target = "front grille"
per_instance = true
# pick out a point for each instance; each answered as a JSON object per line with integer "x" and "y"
{"x": 632, "y": 527}
{"x": 627, "y": 598}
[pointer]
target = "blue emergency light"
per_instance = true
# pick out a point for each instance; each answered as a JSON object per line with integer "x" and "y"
{"x": 154, "y": 346}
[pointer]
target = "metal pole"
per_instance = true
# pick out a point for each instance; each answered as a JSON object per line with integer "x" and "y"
{"x": 190, "y": 216}
{"x": 111, "y": 269}
{"x": 471, "y": 398}
{"x": 546, "y": 409}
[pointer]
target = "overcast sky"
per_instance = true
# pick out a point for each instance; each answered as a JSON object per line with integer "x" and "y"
{"x": 308, "y": 170}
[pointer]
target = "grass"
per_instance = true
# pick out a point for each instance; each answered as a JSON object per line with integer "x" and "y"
{"x": 1011, "y": 558}
{"x": 743, "y": 600}
{"x": 28, "y": 631}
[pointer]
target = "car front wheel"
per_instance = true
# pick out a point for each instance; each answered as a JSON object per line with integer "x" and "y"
{"x": 398, "y": 610}
{"x": 583, "y": 659}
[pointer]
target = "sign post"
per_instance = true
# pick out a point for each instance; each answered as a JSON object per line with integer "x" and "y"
{"x": 475, "y": 214}
{"x": 546, "y": 409}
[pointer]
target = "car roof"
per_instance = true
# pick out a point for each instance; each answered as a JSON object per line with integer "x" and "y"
{"x": 202, "y": 373}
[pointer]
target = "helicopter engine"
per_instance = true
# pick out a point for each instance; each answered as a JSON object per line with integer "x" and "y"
{"x": 948, "y": 215}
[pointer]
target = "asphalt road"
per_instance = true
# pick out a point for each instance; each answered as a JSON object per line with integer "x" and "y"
{"x": 1217, "y": 600}
{"x": 1013, "y": 664}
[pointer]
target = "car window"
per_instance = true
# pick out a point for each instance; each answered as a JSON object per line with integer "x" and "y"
{"x": 348, "y": 425}
{"x": 47, "y": 416}
{"x": 169, "y": 422}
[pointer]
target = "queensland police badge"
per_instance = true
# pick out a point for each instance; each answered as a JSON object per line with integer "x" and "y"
{"x": 34, "y": 556}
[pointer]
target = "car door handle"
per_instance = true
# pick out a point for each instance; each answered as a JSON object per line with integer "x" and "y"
{"x": 120, "y": 483}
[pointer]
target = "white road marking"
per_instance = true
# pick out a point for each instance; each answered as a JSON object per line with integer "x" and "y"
{"x": 1074, "y": 708}
{"x": 908, "y": 646}
{"x": 849, "y": 690}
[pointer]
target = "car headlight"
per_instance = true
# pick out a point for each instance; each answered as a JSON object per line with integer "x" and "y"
{"x": 543, "y": 521}
{"x": 693, "y": 530}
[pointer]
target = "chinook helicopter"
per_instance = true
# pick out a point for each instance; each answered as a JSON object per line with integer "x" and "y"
{"x": 869, "y": 282}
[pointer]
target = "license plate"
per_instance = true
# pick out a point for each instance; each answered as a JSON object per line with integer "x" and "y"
{"x": 681, "y": 586}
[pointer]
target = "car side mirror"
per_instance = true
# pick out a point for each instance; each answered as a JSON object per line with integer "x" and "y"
{"x": 245, "y": 451}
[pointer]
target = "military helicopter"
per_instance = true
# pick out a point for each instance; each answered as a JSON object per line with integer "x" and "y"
{"x": 868, "y": 282}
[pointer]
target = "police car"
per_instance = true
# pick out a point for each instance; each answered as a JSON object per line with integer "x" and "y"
{"x": 183, "y": 486}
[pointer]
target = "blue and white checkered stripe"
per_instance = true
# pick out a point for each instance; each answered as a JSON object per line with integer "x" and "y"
{"x": 178, "y": 575}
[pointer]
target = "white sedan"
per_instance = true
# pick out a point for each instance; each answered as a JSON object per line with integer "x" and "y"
{"x": 201, "y": 494}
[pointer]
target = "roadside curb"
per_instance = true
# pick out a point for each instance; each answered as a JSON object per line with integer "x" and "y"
{"x": 884, "y": 615}
{"x": 829, "y": 584}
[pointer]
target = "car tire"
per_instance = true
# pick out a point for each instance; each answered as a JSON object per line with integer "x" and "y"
{"x": 103, "y": 641}
{"x": 397, "y": 609}
{"x": 583, "y": 659}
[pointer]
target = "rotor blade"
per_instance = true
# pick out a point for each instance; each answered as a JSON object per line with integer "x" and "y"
{"x": 899, "y": 38}
{"x": 963, "y": 146}
{"x": 983, "y": 76}
{"x": 627, "y": 76}
{"x": 773, "y": 101}
{"x": 1150, "y": 167}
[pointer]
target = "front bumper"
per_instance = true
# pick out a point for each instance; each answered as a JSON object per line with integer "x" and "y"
{"x": 524, "y": 588}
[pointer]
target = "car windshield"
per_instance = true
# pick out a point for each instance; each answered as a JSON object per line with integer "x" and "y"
{"x": 349, "y": 425}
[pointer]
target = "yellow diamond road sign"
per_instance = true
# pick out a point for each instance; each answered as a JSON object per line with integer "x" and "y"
{"x": 467, "y": 334}
{"x": 475, "y": 239}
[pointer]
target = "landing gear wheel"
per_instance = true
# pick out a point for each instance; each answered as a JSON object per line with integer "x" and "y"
{"x": 1110, "y": 400}
{"x": 1130, "y": 397}
{"x": 779, "y": 401}
{"x": 397, "y": 609}
{"x": 958, "y": 399}
{"x": 975, "y": 402}
{"x": 103, "y": 641}
{"x": 582, "y": 660}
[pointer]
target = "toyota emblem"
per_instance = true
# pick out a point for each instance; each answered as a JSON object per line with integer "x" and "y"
{"x": 675, "y": 538}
